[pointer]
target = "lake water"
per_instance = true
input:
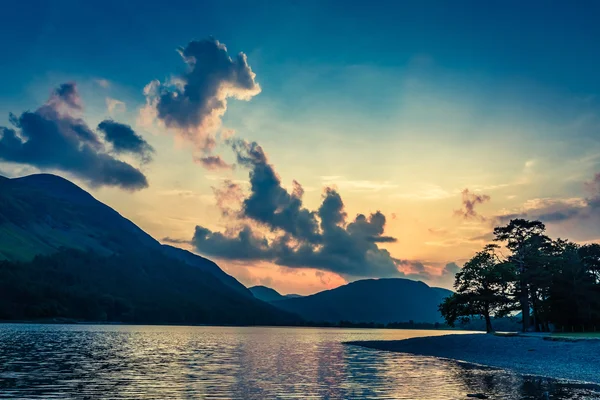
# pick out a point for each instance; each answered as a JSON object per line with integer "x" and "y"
{"x": 166, "y": 362}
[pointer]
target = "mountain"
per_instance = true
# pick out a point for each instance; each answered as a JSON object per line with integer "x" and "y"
{"x": 270, "y": 295}
{"x": 207, "y": 266}
{"x": 371, "y": 300}
{"x": 40, "y": 214}
{"x": 63, "y": 254}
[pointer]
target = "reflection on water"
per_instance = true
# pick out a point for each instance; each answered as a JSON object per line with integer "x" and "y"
{"x": 162, "y": 362}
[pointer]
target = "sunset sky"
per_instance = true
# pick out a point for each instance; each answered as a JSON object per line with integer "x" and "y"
{"x": 253, "y": 122}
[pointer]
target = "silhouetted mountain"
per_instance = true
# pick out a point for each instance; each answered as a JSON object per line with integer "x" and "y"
{"x": 371, "y": 300}
{"x": 40, "y": 214}
{"x": 270, "y": 295}
{"x": 205, "y": 265}
{"x": 292, "y": 296}
{"x": 68, "y": 255}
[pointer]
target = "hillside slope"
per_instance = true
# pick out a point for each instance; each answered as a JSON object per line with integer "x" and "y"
{"x": 371, "y": 300}
{"x": 65, "y": 254}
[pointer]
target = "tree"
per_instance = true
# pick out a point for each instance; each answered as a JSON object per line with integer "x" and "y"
{"x": 483, "y": 288}
{"x": 524, "y": 239}
{"x": 574, "y": 290}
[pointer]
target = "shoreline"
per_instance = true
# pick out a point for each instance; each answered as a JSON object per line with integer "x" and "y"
{"x": 564, "y": 360}
{"x": 117, "y": 323}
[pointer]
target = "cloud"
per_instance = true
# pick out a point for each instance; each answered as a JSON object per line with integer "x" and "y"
{"x": 269, "y": 203}
{"x": 192, "y": 104}
{"x": 558, "y": 210}
{"x": 357, "y": 185}
{"x": 54, "y": 137}
{"x": 426, "y": 192}
{"x": 104, "y": 83}
{"x": 298, "y": 237}
{"x": 486, "y": 237}
{"x": 437, "y": 231}
{"x": 171, "y": 240}
{"x": 114, "y": 105}
{"x": 125, "y": 140}
{"x": 246, "y": 245}
{"x": 229, "y": 197}
{"x": 323, "y": 278}
{"x": 213, "y": 162}
{"x": 447, "y": 277}
{"x": 432, "y": 274}
{"x": 469, "y": 201}
{"x": 66, "y": 94}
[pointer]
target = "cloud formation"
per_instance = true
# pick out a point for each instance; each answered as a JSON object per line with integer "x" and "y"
{"x": 55, "y": 137}
{"x": 66, "y": 94}
{"x": 124, "y": 139}
{"x": 560, "y": 210}
{"x": 114, "y": 105}
{"x": 297, "y": 237}
{"x": 212, "y": 162}
{"x": 192, "y": 104}
{"x": 469, "y": 201}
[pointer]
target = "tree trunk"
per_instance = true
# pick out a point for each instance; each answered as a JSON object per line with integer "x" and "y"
{"x": 524, "y": 299}
{"x": 488, "y": 321}
{"x": 534, "y": 306}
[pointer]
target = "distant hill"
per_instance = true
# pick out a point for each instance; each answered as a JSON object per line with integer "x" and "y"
{"x": 65, "y": 254}
{"x": 270, "y": 295}
{"x": 371, "y": 300}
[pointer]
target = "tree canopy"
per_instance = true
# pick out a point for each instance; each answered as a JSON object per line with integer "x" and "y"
{"x": 554, "y": 283}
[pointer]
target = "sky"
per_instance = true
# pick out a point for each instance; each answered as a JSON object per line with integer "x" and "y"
{"x": 305, "y": 144}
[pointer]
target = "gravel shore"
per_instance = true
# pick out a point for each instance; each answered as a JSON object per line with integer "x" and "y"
{"x": 579, "y": 361}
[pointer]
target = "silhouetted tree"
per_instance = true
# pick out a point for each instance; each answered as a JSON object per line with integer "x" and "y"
{"x": 525, "y": 239}
{"x": 483, "y": 287}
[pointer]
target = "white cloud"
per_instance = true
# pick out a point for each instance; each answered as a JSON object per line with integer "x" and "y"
{"x": 114, "y": 106}
{"x": 357, "y": 185}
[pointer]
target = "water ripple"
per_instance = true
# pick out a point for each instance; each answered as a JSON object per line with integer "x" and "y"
{"x": 165, "y": 362}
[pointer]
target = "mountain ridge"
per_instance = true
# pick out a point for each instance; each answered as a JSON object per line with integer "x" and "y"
{"x": 74, "y": 233}
{"x": 270, "y": 295}
{"x": 371, "y": 300}
{"x": 64, "y": 254}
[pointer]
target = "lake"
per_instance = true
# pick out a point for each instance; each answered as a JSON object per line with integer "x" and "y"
{"x": 172, "y": 362}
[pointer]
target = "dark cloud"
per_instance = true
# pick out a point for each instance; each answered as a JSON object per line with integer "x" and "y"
{"x": 561, "y": 210}
{"x": 171, "y": 240}
{"x": 67, "y": 94}
{"x": 52, "y": 138}
{"x": 194, "y": 102}
{"x": 213, "y": 162}
{"x": 506, "y": 218}
{"x": 269, "y": 203}
{"x": 416, "y": 270}
{"x": 446, "y": 279}
{"x": 469, "y": 201}
{"x": 125, "y": 140}
{"x": 451, "y": 269}
{"x": 246, "y": 245}
{"x": 371, "y": 228}
{"x": 300, "y": 238}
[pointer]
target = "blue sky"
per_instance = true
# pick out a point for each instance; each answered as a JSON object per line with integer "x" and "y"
{"x": 399, "y": 105}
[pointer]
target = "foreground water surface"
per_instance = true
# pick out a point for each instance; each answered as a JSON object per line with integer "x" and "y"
{"x": 171, "y": 362}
